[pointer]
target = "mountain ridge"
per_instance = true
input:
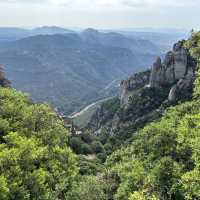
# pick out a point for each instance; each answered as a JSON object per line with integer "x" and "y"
{"x": 49, "y": 63}
{"x": 145, "y": 96}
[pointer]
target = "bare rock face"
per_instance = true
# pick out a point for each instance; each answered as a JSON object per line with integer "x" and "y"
{"x": 177, "y": 69}
{"x": 173, "y": 68}
{"x": 181, "y": 86}
{"x": 157, "y": 74}
{"x": 180, "y": 56}
{"x": 145, "y": 96}
{"x": 132, "y": 84}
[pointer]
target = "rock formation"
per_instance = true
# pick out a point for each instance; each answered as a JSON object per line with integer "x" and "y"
{"x": 130, "y": 86}
{"x": 176, "y": 71}
{"x": 145, "y": 95}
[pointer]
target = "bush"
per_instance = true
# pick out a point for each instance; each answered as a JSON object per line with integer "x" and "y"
{"x": 35, "y": 159}
{"x": 88, "y": 188}
{"x": 97, "y": 147}
{"x": 102, "y": 156}
{"x": 87, "y": 138}
{"x": 86, "y": 149}
{"x": 76, "y": 144}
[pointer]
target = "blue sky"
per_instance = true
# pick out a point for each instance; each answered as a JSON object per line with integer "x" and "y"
{"x": 101, "y": 13}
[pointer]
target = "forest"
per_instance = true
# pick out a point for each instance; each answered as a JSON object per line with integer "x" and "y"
{"x": 160, "y": 162}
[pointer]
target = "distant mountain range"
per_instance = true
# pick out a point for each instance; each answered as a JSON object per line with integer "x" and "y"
{"x": 69, "y": 69}
{"x": 11, "y": 34}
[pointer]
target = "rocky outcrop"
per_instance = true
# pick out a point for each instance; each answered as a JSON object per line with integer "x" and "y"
{"x": 130, "y": 86}
{"x": 175, "y": 66}
{"x": 182, "y": 86}
{"x": 177, "y": 70}
{"x": 4, "y": 82}
{"x": 145, "y": 96}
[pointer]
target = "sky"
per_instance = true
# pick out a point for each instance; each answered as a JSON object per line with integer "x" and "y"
{"x": 107, "y": 14}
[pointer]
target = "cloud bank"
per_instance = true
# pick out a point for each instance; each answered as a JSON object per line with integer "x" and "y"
{"x": 101, "y": 13}
{"x": 128, "y": 3}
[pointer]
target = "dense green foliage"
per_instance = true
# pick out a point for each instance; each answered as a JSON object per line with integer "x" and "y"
{"x": 88, "y": 188}
{"x": 163, "y": 161}
{"x": 91, "y": 153}
{"x": 87, "y": 144}
{"x": 35, "y": 160}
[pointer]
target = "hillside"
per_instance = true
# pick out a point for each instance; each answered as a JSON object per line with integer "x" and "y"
{"x": 162, "y": 161}
{"x": 145, "y": 96}
{"x": 68, "y": 71}
{"x": 8, "y": 34}
{"x": 159, "y": 157}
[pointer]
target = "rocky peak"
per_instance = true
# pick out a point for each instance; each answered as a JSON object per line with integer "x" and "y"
{"x": 145, "y": 95}
{"x": 177, "y": 70}
{"x": 173, "y": 68}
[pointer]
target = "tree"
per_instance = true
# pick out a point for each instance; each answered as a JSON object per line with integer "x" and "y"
{"x": 97, "y": 147}
{"x": 88, "y": 188}
{"x": 35, "y": 160}
{"x": 193, "y": 45}
{"x": 76, "y": 144}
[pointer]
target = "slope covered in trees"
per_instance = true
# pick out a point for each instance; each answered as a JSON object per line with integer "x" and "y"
{"x": 35, "y": 160}
{"x": 163, "y": 161}
{"x": 144, "y": 97}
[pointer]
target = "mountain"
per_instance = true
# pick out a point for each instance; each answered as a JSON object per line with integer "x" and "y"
{"x": 11, "y": 34}
{"x": 8, "y": 34}
{"x": 161, "y": 38}
{"x": 162, "y": 160}
{"x": 49, "y": 30}
{"x": 144, "y": 49}
{"x": 145, "y": 96}
{"x": 149, "y": 134}
{"x": 71, "y": 70}
{"x": 118, "y": 40}
{"x": 65, "y": 70}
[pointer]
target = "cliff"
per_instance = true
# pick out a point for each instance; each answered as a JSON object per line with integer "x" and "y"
{"x": 145, "y": 95}
{"x": 176, "y": 71}
{"x": 178, "y": 68}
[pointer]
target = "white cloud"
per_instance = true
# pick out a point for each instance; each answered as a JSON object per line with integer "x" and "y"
{"x": 100, "y": 13}
{"x": 159, "y": 3}
{"x": 114, "y": 3}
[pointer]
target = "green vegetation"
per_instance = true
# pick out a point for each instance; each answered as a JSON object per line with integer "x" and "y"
{"x": 88, "y": 188}
{"x": 161, "y": 162}
{"x": 35, "y": 160}
{"x": 90, "y": 146}
{"x": 72, "y": 70}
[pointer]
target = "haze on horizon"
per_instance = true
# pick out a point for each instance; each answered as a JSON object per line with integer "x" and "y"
{"x": 101, "y": 13}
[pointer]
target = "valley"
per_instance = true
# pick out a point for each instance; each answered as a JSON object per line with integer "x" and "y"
{"x": 94, "y": 115}
{"x": 71, "y": 69}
